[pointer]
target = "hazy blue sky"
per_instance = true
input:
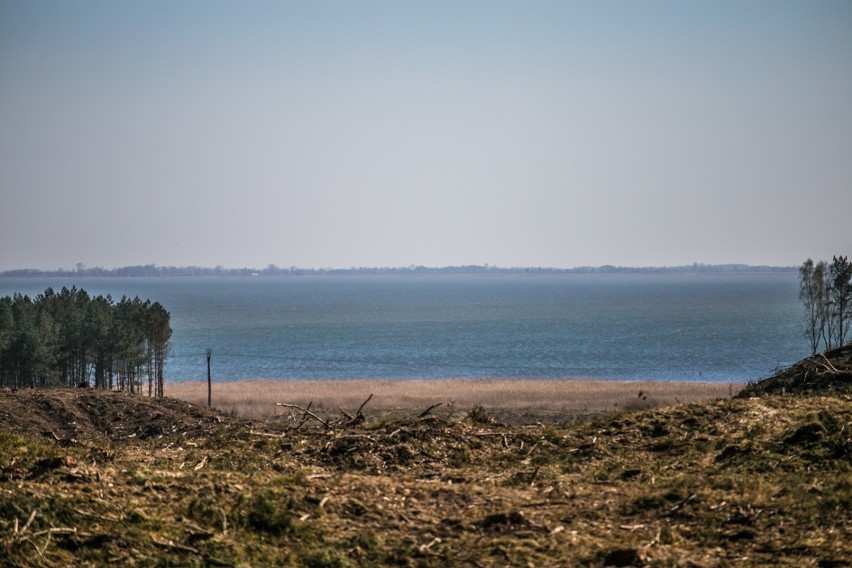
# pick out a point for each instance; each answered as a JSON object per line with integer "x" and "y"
{"x": 359, "y": 133}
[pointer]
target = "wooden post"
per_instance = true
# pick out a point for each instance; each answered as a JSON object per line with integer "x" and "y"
{"x": 209, "y": 383}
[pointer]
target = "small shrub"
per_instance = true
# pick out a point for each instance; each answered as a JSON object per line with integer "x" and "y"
{"x": 458, "y": 458}
{"x": 324, "y": 558}
{"x": 266, "y": 514}
{"x": 478, "y": 416}
{"x": 202, "y": 509}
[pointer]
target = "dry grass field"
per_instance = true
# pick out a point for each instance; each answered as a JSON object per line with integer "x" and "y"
{"x": 551, "y": 398}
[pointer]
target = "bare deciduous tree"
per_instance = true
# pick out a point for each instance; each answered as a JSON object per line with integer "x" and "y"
{"x": 840, "y": 298}
{"x": 808, "y": 285}
{"x": 826, "y": 293}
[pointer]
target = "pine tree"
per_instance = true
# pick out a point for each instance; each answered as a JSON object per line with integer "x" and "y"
{"x": 72, "y": 339}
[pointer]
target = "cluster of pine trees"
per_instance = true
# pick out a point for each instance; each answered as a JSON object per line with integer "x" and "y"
{"x": 826, "y": 292}
{"x": 70, "y": 339}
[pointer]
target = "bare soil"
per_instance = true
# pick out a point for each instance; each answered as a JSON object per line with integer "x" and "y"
{"x": 92, "y": 479}
{"x": 99, "y": 416}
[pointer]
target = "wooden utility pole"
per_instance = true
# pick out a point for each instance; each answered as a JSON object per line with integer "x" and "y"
{"x": 209, "y": 383}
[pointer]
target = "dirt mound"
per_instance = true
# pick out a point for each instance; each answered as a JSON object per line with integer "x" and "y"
{"x": 823, "y": 373}
{"x": 73, "y": 414}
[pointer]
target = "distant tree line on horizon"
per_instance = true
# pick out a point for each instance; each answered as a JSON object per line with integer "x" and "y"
{"x": 151, "y": 270}
{"x": 825, "y": 289}
{"x": 70, "y": 339}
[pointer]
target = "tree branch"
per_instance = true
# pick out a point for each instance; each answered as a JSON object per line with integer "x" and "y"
{"x": 307, "y": 413}
{"x": 426, "y": 412}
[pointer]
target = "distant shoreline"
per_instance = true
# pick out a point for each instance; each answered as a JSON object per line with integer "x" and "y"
{"x": 153, "y": 271}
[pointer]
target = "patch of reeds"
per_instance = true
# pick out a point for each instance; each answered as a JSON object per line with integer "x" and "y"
{"x": 257, "y": 398}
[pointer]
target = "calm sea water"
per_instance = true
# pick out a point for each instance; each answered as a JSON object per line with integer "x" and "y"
{"x": 619, "y": 326}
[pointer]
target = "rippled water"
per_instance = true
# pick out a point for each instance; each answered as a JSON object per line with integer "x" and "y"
{"x": 626, "y": 326}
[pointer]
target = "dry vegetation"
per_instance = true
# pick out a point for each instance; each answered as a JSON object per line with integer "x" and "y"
{"x": 824, "y": 373}
{"x": 93, "y": 478}
{"x": 526, "y": 400}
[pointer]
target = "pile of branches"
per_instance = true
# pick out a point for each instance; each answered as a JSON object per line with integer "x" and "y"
{"x": 345, "y": 420}
{"x": 824, "y": 373}
{"x": 429, "y": 441}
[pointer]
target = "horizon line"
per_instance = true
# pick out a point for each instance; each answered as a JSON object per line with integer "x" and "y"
{"x": 152, "y": 269}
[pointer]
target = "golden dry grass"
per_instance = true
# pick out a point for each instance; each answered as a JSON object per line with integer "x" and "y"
{"x": 257, "y": 398}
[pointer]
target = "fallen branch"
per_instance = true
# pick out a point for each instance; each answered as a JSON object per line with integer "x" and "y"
{"x": 363, "y": 404}
{"x": 171, "y": 544}
{"x": 267, "y": 434}
{"x": 21, "y": 537}
{"x": 426, "y": 412}
{"x": 29, "y": 522}
{"x": 200, "y": 464}
{"x": 304, "y": 417}
{"x": 487, "y": 434}
{"x": 534, "y": 475}
{"x": 682, "y": 503}
{"x": 307, "y": 413}
{"x": 426, "y": 547}
{"x": 359, "y": 415}
{"x": 55, "y": 530}
{"x": 828, "y": 363}
{"x": 819, "y": 365}
{"x": 320, "y": 476}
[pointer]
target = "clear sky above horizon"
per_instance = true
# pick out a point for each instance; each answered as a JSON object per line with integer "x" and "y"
{"x": 384, "y": 133}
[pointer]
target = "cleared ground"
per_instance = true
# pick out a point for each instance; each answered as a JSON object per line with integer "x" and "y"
{"x": 94, "y": 479}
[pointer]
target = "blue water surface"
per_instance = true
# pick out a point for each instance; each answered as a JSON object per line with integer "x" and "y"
{"x": 702, "y": 327}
